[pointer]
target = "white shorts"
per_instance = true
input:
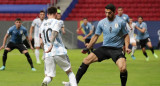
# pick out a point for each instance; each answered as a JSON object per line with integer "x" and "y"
{"x": 132, "y": 40}
{"x": 50, "y": 64}
{"x": 36, "y": 42}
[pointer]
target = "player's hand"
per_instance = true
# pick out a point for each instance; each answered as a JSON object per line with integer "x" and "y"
{"x": 49, "y": 49}
{"x": 128, "y": 50}
{"x": 85, "y": 50}
{"x": 30, "y": 38}
{"x": 77, "y": 31}
{"x": 84, "y": 38}
{"x": 32, "y": 48}
{"x": 63, "y": 32}
{"x": 2, "y": 47}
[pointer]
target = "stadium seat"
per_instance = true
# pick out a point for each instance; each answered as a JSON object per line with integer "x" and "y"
{"x": 134, "y": 8}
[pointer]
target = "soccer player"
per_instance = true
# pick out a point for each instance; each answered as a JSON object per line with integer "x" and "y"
{"x": 143, "y": 36}
{"x": 62, "y": 23}
{"x": 36, "y": 25}
{"x": 55, "y": 52}
{"x": 131, "y": 35}
{"x": 114, "y": 35}
{"x": 88, "y": 28}
{"x": 16, "y": 32}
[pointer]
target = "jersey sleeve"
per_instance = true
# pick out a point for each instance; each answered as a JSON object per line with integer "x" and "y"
{"x": 62, "y": 23}
{"x": 9, "y": 31}
{"x": 90, "y": 27}
{"x": 98, "y": 29}
{"x": 25, "y": 32}
{"x": 56, "y": 27}
{"x": 144, "y": 25}
{"x": 33, "y": 23}
{"x": 124, "y": 30}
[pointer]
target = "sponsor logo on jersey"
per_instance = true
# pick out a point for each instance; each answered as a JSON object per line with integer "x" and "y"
{"x": 116, "y": 25}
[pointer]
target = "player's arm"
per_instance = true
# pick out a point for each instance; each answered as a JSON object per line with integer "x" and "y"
{"x": 90, "y": 33}
{"x": 79, "y": 29}
{"x": 4, "y": 41}
{"x": 29, "y": 42}
{"x": 127, "y": 41}
{"x": 30, "y": 33}
{"x": 141, "y": 30}
{"x": 53, "y": 37}
{"x": 93, "y": 41}
{"x": 63, "y": 30}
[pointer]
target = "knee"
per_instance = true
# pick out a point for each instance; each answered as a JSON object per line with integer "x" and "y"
{"x": 86, "y": 61}
{"x": 68, "y": 71}
{"x": 25, "y": 51}
{"x": 123, "y": 69}
{"x": 5, "y": 52}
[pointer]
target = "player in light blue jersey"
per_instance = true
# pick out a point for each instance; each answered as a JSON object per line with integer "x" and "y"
{"x": 143, "y": 36}
{"x": 114, "y": 35}
{"x": 16, "y": 32}
{"x": 123, "y": 16}
{"x": 88, "y": 28}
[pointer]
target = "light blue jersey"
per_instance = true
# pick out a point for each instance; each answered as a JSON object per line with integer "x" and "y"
{"x": 113, "y": 32}
{"x": 87, "y": 28}
{"x": 16, "y": 34}
{"x": 141, "y": 35}
{"x": 125, "y": 17}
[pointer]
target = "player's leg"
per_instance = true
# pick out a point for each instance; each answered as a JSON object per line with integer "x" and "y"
{"x": 121, "y": 63}
{"x": 5, "y": 58}
{"x": 85, "y": 64}
{"x": 134, "y": 47}
{"x": 149, "y": 44}
{"x": 158, "y": 47}
{"x": 37, "y": 46}
{"x": 50, "y": 70}
{"x": 64, "y": 64}
{"x": 23, "y": 50}
{"x": 10, "y": 47}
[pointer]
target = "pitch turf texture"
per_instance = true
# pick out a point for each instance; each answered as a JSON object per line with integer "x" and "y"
{"x": 106, "y": 73}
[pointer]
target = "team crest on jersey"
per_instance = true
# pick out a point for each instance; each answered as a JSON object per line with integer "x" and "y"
{"x": 116, "y": 25}
{"x": 21, "y": 32}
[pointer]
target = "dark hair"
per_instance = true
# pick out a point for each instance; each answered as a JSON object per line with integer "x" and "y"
{"x": 120, "y": 7}
{"x": 85, "y": 18}
{"x": 52, "y": 10}
{"x": 58, "y": 7}
{"x": 42, "y": 11}
{"x": 59, "y": 13}
{"x": 111, "y": 7}
{"x": 140, "y": 17}
{"x": 18, "y": 19}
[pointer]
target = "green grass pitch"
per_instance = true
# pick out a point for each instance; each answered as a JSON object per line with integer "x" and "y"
{"x": 106, "y": 73}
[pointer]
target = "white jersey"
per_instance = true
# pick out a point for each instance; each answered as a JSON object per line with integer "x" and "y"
{"x": 46, "y": 29}
{"x": 131, "y": 32}
{"x": 36, "y": 24}
{"x": 62, "y": 23}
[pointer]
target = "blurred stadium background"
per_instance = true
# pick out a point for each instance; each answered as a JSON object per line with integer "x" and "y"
{"x": 72, "y": 13}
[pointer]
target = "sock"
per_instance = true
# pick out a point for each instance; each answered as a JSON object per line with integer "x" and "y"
{"x": 37, "y": 55}
{"x": 47, "y": 80}
{"x": 29, "y": 59}
{"x": 123, "y": 77}
{"x": 133, "y": 49}
{"x": 158, "y": 45}
{"x": 145, "y": 54}
{"x": 5, "y": 57}
{"x": 152, "y": 50}
{"x": 91, "y": 49}
{"x": 72, "y": 79}
{"x": 89, "y": 52}
{"x": 81, "y": 71}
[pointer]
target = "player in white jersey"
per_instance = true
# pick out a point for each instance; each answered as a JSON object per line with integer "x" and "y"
{"x": 62, "y": 23}
{"x": 131, "y": 35}
{"x": 55, "y": 52}
{"x": 36, "y": 25}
